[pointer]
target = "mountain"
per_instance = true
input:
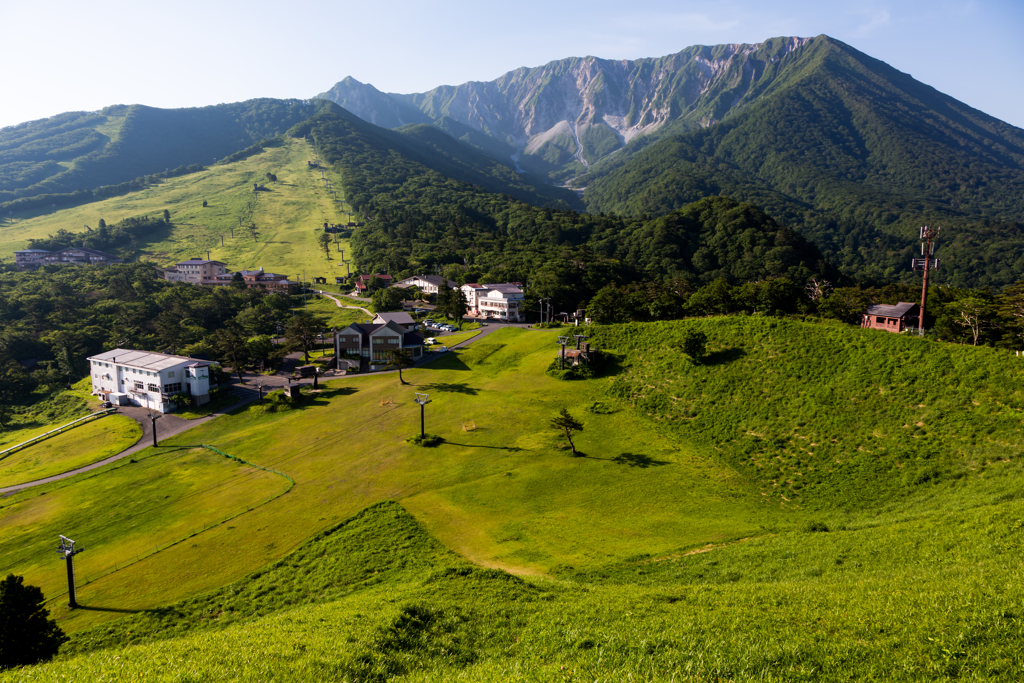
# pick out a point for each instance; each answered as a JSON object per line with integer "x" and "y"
{"x": 375, "y": 160}
{"x": 569, "y": 114}
{"x": 53, "y": 159}
{"x": 853, "y": 153}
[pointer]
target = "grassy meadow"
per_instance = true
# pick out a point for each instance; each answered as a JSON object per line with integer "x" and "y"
{"x": 776, "y": 512}
{"x": 287, "y": 216}
{"x": 87, "y": 443}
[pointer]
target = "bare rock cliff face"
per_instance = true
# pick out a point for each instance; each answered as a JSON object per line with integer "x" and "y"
{"x": 601, "y": 104}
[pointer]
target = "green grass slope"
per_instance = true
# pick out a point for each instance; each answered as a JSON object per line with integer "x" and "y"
{"x": 824, "y": 415}
{"x": 505, "y": 495}
{"x": 712, "y": 530}
{"x": 60, "y": 155}
{"x": 288, "y": 216}
{"x": 936, "y": 597}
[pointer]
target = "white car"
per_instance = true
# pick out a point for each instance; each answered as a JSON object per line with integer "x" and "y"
{"x": 429, "y": 340}
{"x": 443, "y": 349}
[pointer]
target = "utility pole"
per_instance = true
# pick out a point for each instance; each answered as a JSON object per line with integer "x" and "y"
{"x": 928, "y": 237}
{"x": 563, "y": 341}
{"x": 422, "y": 399}
{"x": 67, "y": 550}
{"x": 153, "y": 417}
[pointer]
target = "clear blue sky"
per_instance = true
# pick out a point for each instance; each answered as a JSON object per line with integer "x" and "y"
{"x": 65, "y": 56}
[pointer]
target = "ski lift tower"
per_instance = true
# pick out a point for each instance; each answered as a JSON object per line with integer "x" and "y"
{"x": 563, "y": 341}
{"x": 423, "y": 400}
{"x": 928, "y": 237}
{"x": 67, "y": 550}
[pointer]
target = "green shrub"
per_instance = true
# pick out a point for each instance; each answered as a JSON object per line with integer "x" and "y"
{"x": 425, "y": 440}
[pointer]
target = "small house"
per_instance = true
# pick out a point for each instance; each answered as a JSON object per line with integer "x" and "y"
{"x": 897, "y": 318}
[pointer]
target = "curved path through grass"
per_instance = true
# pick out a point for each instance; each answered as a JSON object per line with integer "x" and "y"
{"x": 174, "y": 426}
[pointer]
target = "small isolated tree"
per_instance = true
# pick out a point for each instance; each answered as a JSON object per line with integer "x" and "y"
{"x": 399, "y": 359}
{"x": 205, "y": 204}
{"x": 303, "y": 332}
{"x": 568, "y": 424}
{"x": 167, "y": 216}
{"x": 27, "y": 634}
{"x": 103, "y": 223}
{"x": 694, "y": 344}
{"x": 325, "y": 243}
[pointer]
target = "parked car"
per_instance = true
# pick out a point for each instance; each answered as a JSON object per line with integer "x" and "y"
{"x": 429, "y": 340}
{"x": 443, "y": 349}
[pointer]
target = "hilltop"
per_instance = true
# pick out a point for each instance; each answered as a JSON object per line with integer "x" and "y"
{"x": 673, "y": 525}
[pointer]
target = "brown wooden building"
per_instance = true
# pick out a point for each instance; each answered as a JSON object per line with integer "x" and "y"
{"x": 890, "y": 318}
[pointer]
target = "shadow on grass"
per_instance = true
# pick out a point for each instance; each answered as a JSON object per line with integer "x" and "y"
{"x": 724, "y": 356}
{"x": 93, "y": 608}
{"x": 473, "y": 445}
{"x": 451, "y": 387}
{"x": 638, "y": 460}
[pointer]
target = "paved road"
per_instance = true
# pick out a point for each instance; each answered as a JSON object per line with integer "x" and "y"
{"x": 171, "y": 425}
{"x": 166, "y": 426}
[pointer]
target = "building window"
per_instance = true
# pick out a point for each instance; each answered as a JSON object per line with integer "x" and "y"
{"x": 172, "y": 388}
{"x": 155, "y": 388}
{"x": 138, "y": 386}
{"x": 170, "y": 374}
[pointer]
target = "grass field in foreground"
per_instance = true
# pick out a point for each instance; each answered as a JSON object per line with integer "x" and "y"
{"x": 81, "y": 445}
{"x": 650, "y": 556}
{"x": 121, "y": 514}
{"x": 936, "y": 597}
{"x": 287, "y": 216}
{"x": 506, "y": 494}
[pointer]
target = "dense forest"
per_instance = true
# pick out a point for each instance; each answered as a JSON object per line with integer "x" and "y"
{"x": 419, "y": 220}
{"x": 61, "y": 316}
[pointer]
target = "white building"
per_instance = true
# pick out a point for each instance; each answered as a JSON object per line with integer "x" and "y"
{"x": 148, "y": 379}
{"x": 502, "y": 302}
{"x": 428, "y": 284}
{"x": 196, "y": 271}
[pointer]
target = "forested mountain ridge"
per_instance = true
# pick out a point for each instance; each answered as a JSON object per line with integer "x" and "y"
{"x": 422, "y": 220}
{"x": 67, "y": 159}
{"x": 856, "y": 155}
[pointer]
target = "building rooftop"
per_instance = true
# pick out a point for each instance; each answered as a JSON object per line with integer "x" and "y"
{"x": 148, "y": 360}
{"x": 94, "y": 252}
{"x": 198, "y": 262}
{"x": 398, "y": 317}
{"x": 888, "y": 311}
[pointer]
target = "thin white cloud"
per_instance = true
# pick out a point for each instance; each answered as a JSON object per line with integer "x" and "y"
{"x": 878, "y": 19}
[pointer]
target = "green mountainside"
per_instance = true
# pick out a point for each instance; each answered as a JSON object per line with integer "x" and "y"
{"x": 855, "y": 155}
{"x": 421, "y": 219}
{"x": 69, "y": 159}
{"x": 375, "y": 160}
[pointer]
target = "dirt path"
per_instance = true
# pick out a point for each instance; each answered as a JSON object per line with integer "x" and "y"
{"x": 341, "y": 305}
